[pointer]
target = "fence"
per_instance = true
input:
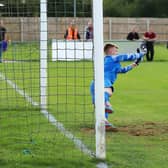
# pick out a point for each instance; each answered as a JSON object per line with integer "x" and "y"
{"x": 114, "y": 28}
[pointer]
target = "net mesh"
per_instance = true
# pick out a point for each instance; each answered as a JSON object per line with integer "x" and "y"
{"x": 64, "y": 131}
{"x": 62, "y": 135}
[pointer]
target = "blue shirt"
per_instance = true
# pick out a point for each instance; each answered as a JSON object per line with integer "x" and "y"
{"x": 112, "y": 66}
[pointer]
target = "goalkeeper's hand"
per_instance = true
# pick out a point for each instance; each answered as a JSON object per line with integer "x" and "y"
{"x": 138, "y": 61}
{"x": 143, "y": 48}
{"x": 133, "y": 65}
{"x": 140, "y": 58}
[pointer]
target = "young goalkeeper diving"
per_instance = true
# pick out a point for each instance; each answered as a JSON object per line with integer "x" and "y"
{"x": 112, "y": 68}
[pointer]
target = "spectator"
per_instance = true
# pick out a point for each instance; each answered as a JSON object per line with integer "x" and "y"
{"x": 133, "y": 35}
{"x": 150, "y": 38}
{"x": 89, "y": 31}
{"x": 72, "y": 32}
{"x": 2, "y": 39}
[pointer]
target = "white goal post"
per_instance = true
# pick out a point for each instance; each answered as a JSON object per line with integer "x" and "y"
{"x": 43, "y": 54}
{"x": 99, "y": 78}
{"x": 98, "y": 68}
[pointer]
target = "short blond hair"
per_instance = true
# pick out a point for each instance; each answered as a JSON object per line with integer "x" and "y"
{"x": 108, "y": 46}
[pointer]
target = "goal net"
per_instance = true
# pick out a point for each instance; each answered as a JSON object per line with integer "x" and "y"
{"x": 46, "y": 111}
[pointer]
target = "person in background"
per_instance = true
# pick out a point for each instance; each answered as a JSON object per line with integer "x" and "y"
{"x": 72, "y": 32}
{"x": 133, "y": 35}
{"x": 149, "y": 38}
{"x": 3, "y": 40}
{"x": 89, "y": 31}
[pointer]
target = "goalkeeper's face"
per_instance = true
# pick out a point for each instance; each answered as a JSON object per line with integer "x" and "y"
{"x": 113, "y": 51}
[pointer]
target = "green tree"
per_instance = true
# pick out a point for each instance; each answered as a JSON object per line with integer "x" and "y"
{"x": 65, "y": 8}
{"x": 21, "y": 7}
{"x": 136, "y": 8}
{"x": 152, "y": 8}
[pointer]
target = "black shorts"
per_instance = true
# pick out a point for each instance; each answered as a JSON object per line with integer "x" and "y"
{"x": 112, "y": 88}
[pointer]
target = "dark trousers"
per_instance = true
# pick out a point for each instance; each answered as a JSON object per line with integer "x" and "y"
{"x": 150, "y": 50}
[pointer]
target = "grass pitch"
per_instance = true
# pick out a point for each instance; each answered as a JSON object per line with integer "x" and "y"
{"x": 29, "y": 140}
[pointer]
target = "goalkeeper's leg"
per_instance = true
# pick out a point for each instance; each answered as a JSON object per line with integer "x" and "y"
{"x": 107, "y": 94}
{"x": 108, "y": 108}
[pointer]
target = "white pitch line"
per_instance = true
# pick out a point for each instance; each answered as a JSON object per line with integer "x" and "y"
{"x": 21, "y": 92}
{"x": 78, "y": 143}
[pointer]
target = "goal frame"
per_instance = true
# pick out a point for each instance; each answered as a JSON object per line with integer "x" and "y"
{"x": 98, "y": 70}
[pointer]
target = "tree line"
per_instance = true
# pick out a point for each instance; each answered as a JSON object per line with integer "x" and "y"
{"x": 83, "y": 8}
{"x": 136, "y": 8}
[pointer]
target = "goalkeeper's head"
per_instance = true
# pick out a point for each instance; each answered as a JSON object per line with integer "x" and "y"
{"x": 110, "y": 49}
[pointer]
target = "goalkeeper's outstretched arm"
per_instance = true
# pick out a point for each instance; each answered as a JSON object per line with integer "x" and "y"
{"x": 127, "y": 68}
{"x": 127, "y": 57}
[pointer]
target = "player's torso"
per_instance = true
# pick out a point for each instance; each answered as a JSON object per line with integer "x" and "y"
{"x": 110, "y": 69}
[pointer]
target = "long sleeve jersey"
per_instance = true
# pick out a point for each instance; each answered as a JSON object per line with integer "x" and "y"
{"x": 112, "y": 66}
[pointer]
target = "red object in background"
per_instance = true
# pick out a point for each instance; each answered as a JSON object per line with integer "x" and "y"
{"x": 150, "y": 35}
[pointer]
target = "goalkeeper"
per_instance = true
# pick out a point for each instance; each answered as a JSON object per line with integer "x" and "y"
{"x": 112, "y": 68}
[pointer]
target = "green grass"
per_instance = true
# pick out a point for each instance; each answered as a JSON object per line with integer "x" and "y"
{"x": 140, "y": 97}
